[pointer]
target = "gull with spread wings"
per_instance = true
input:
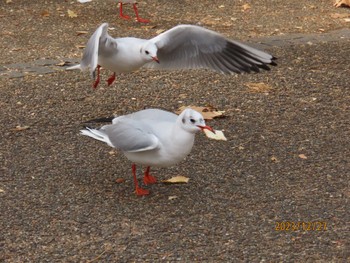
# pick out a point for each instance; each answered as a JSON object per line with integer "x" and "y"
{"x": 182, "y": 47}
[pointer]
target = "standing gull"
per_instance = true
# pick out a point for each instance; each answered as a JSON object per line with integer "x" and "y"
{"x": 182, "y": 47}
{"x": 151, "y": 137}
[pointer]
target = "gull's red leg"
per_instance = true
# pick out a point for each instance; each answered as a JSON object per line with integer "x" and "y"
{"x": 149, "y": 179}
{"x": 98, "y": 77}
{"x": 111, "y": 79}
{"x": 121, "y": 11}
{"x": 139, "y": 191}
{"x": 139, "y": 19}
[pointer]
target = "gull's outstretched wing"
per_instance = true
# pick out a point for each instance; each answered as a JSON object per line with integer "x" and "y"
{"x": 188, "y": 46}
{"x": 99, "y": 43}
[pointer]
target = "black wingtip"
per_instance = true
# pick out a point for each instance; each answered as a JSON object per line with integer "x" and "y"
{"x": 254, "y": 68}
{"x": 264, "y": 66}
{"x": 273, "y": 63}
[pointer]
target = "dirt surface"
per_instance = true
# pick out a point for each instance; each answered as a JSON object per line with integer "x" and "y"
{"x": 286, "y": 158}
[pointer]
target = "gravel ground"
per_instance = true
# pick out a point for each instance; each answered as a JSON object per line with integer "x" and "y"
{"x": 286, "y": 158}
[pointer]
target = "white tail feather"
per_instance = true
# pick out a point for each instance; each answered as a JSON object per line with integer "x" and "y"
{"x": 74, "y": 67}
{"x": 97, "y": 135}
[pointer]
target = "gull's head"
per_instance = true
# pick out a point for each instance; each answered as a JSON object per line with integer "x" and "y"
{"x": 192, "y": 121}
{"x": 149, "y": 52}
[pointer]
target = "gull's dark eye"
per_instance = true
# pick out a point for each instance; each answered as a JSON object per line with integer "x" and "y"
{"x": 146, "y": 52}
{"x": 192, "y": 120}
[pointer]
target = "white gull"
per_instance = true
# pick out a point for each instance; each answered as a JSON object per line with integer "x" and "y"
{"x": 151, "y": 137}
{"x": 182, "y": 47}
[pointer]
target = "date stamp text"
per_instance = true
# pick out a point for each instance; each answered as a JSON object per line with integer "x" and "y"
{"x": 302, "y": 226}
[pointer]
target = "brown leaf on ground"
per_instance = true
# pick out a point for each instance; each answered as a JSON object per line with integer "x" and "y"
{"x": 159, "y": 31}
{"x": 302, "y": 156}
{"x": 81, "y": 32}
{"x": 208, "y": 112}
{"x": 259, "y": 87}
{"x": 148, "y": 27}
{"x": 112, "y": 152}
{"x": 176, "y": 180}
{"x": 246, "y": 7}
{"x": 71, "y": 14}
{"x": 45, "y": 13}
{"x": 119, "y": 180}
{"x": 274, "y": 159}
{"x": 80, "y": 46}
{"x": 342, "y": 3}
{"x": 21, "y": 128}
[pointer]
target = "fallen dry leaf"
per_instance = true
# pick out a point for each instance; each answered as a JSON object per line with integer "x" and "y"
{"x": 81, "y": 32}
{"x": 71, "y": 14}
{"x": 342, "y": 3}
{"x": 218, "y": 135}
{"x": 61, "y": 64}
{"x": 80, "y": 46}
{"x": 20, "y": 128}
{"x": 160, "y": 31}
{"x": 45, "y": 13}
{"x": 2, "y": 191}
{"x": 302, "y": 156}
{"x": 119, "y": 180}
{"x": 8, "y": 1}
{"x": 148, "y": 27}
{"x": 259, "y": 87}
{"x": 274, "y": 159}
{"x": 245, "y": 7}
{"x": 172, "y": 197}
{"x": 208, "y": 112}
{"x": 176, "y": 180}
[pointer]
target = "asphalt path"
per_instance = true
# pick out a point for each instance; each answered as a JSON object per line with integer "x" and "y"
{"x": 277, "y": 190}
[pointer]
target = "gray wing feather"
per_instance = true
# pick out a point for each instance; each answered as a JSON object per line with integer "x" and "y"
{"x": 99, "y": 42}
{"x": 188, "y": 46}
{"x": 131, "y": 136}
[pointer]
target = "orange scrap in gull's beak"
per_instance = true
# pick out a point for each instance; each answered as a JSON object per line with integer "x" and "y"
{"x": 155, "y": 59}
{"x": 206, "y": 128}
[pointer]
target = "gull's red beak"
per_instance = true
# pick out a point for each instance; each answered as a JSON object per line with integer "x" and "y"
{"x": 155, "y": 59}
{"x": 206, "y": 128}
